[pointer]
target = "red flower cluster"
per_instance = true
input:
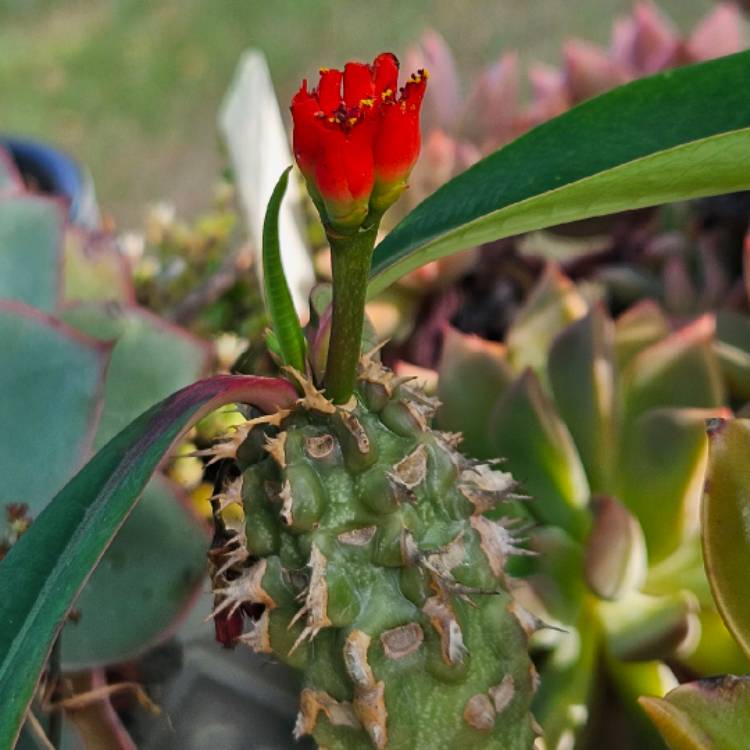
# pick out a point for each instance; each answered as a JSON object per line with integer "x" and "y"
{"x": 356, "y": 150}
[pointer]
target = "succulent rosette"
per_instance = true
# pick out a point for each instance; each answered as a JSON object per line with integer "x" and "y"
{"x": 603, "y": 423}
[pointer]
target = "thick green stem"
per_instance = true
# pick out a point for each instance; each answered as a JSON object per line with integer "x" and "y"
{"x": 350, "y": 259}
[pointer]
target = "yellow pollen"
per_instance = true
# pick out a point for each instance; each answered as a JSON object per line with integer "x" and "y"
{"x": 387, "y": 94}
{"x": 366, "y": 102}
{"x": 352, "y": 120}
{"x": 323, "y": 70}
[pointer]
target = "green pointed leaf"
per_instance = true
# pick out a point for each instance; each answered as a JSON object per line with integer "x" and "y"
{"x": 712, "y": 714}
{"x": 582, "y": 376}
{"x": 46, "y": 569}
{"x": 638, "y": 328}
{"x": 677, "y": 135}
{"x": 472, "y": 376}
{"x": 679, "y": 371}
{"x": 553, "y": 304}
{"x": 733, "y": 350}
{"x": 615, "y": 551}
{"x": 525, "y": 429}
{"x": 726, "y": 532}
{"x": 51, "y": 385}
{"x": 660, "y": 475}
{"x": 31, "y": 236}
{"x": 278, "y": 297}
{"x": 641, "y": 627}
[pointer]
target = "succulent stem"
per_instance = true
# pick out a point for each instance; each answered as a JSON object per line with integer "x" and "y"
{"x": 350, "y": 259}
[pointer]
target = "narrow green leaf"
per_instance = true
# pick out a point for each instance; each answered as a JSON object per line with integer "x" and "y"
{"x": 278, "y": 297}
{"x": 46, "y": 569}
{"x": 726, "y": 532}
{"x": 677, "y": 135}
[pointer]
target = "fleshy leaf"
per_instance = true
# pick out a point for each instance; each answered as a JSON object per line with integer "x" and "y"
{"x": 733, "y": 350}
{"x": 680, "y": 371}
{"x": 615, "y": 152}
{"x": 660, "y": 475}
{"x": 472, "y": 377}
{"x": 10, "y": 180}
{"x": 638, "y": 328}
{"x": 31, "y": 236}
{"x": 46, "y": 367}
{"x": 94, "y": 270}
{"x": 582, "y": 376}
{"x": 726, "y": 533}
{"x": 46, "y": 569}
{"x": 615, "y": 551}
{"x": 278, "y": 297}
{"x": 150, "y": 359}
{"x": 641, "y": 627}
{"x": 525, "y": 429}
{"x": 711, "y": 714}
{"x": 126, "y": 605}
{"x": 554, "y": 303}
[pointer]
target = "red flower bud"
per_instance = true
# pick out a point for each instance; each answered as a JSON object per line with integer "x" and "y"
{"x": 356, "y": 148}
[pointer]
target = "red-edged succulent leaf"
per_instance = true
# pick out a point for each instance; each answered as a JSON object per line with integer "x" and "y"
{"x": 10, "y": 179}
{"x": 581, "y": 371}
{"x": 51, "y": 386}
{"x": 94, "y": 270}
{"x": 660, "y": 475}
{"x": 31, "y": 237}
{"x": 711, "y": 714}
{"x": 526, "y": 429}
{"x": 553, "y": 305}
{"x": 638, "y": 328}
{"x": 472, "y": 377}
{"x": 726, "y": 532}
{"x": 46, "y": 569}
{"x": 125, "y": 607}
{"x": 151, "y": 359}
{"x": 678, "y": 371}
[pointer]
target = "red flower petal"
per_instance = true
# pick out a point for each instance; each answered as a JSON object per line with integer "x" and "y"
{"x": 385, "y": 73}
{"x": 329, "y": 90}
{"x": 306, "y": 140}
{"x": 357, "y": 84}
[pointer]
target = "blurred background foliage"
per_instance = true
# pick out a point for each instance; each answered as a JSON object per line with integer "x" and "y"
{"x": 132, "y": 87}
